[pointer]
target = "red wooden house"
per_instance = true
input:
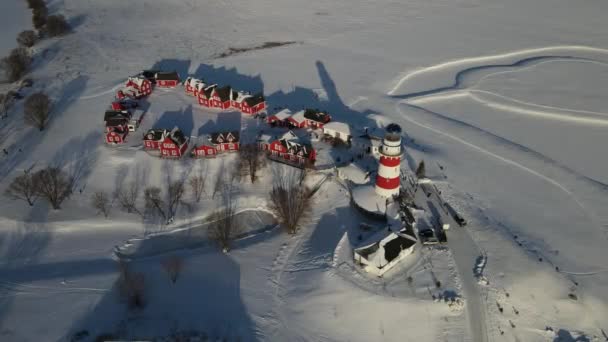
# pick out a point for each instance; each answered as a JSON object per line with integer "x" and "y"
{"x": 297, "y": 120}
{"x": 192, "y": 85}
{"x": 292, "y": 151}
{"x": 129, "y": 93}
{"x": 143, "y": 85}
{"x": 220, "y": 97}
{"x": 280, "y": 118}
{"x": 204, "y": 95}
{"x": 253, "y": 104}
{"x": 174, "y": 145}
{"x": 116, "y": 126}
{"x": 167, "y": 79}
{"x": 316, "y": 118}
{"x": 154, "y": 138}
{"x": 219, "y": 142}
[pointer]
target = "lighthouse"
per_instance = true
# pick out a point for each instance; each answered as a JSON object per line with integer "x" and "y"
{"x": 387, "y": 180}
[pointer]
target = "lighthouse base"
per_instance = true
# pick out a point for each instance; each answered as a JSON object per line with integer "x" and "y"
{"x": 368, "y": 202}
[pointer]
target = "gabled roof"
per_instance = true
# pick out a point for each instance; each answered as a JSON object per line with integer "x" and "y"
{"x": 224, "y": 93}
{"x": 116, "y": 114}
{"x": 283, "y": 115}
{"x": 254, "y": 100}
{"x": 138, "y": 80}
{"x": 289, "y": 135}
{"x": 155, "y": 134}
{"x": 298, "y": 117}
{"x": 295, "y": 147}
{"x": 177, "y": 136}
{"x": 316, "y": 115}
{"x": 167, "y": 76}
{"x": 224, "y": 137}
{"x": 208, "y": 90}
{"x": 338, "y": 127}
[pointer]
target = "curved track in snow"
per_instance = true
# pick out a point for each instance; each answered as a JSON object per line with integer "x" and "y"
{"x": 470, "y": 71}
{"x": 465, "y": 74}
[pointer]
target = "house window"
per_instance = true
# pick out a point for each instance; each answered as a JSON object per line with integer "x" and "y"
{"x": 174, "y": 152}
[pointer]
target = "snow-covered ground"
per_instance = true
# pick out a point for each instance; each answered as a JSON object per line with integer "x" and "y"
{"x": 503, "y": 100}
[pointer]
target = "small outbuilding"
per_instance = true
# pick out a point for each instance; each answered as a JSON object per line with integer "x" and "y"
{"x": 338, "y": 130}
{"x": 167, "y": 79}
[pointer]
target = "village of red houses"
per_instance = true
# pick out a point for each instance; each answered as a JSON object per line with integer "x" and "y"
{"x": 123, "y": 118}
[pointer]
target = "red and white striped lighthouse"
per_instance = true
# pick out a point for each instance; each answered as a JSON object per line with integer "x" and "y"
{"x": 387, "y": 180}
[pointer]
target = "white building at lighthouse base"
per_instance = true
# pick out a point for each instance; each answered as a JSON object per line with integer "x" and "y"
{"x": 367, "y": 200}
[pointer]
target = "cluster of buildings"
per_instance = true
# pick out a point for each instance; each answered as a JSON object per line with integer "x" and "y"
{"x": 224, "y": 98}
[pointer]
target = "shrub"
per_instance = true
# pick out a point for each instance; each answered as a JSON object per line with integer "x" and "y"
{"x": 36, "y": 110}
{"x": 16, "y": 64}
{"x": 26, "y": 38}
{"x": 56, "y": 25}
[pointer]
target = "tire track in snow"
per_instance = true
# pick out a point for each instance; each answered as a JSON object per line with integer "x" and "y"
{"x": 463, "y": 68}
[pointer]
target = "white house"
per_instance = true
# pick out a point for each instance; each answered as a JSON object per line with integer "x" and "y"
{"x": 338, "y": 130}
{"x": 384, "y": 250}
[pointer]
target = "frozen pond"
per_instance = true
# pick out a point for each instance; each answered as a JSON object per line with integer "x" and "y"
{"x": 15, "y": 17}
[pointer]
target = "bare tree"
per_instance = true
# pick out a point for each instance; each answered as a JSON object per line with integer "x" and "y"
{"x": 23, "y": 187}
{"x": 101, "y": 201}
{"x": 127, "y": 197}
{"x": 421, "y": 170}
{"x": 290, "y": 199}
{"x": 223, "y": 228}
{"x": 173, "y": 266}
{"x": 197, "y": 185}
{"x": 6, "y": 102}
{"x": 250, "y": 161}
{"x": 131, "y": 286}
{"x": 219, "y": 181}
{"x": 175, "y": 192}
{"x": 154, "y": 202}
{"x": 54, "y": 185}
{"x": 56, "y": 25}
{"x": 16, "y": 64}
{"x": 26, "y": 38}
{"x": 36, "y": 110}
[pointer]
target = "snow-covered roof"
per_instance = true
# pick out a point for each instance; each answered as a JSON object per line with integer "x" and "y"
{"x": 385, "y": 246}
{"x": 283, "y": 115}
{"x": 138, "y": 81}
{"x": 298, "y": 117}
{"x": 240, "y": 96}
{"x": 337, "y": 127}
{"x": 289, "y": 136}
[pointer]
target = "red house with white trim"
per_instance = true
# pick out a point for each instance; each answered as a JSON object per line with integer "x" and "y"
{"x": 154, "y": 138}
{"x": 204, "y": 95}
{"x": 297, "y": 120}
{"x": 143, "y": 85}
{"x": 193, "y": 85}
{"x": 253, "y": 104}
{"x": 220, "y": 97}
{"x": 316, "y": 118}
{"x": 280, "y": 118}
{"x": 116, "y": 126}
{"x": 219, "y": 142}
{"x": 292, "y": 151}
{"x": 167, "y": 79}
{"x": 174, "y": 145}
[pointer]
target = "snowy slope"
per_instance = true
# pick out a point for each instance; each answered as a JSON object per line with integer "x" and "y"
{"x": 508, "y": 97}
